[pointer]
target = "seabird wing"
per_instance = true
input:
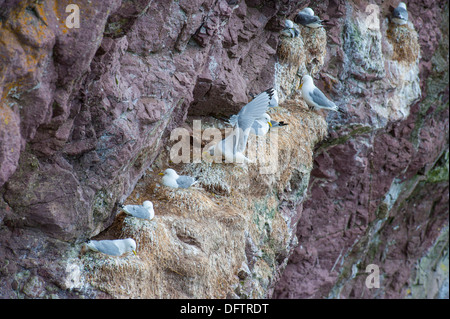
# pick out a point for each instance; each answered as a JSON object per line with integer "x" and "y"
{"x": 256, "y": 107}
{"x": 400, "y": 13}
{"x": 305, "y": 19}
{"x": 248, "y": 114}
{"x": 319, "y": 98}
{"x": 137, "y": 211}
{"x": 107, "y": 247}
{"x": 185, "y": 181}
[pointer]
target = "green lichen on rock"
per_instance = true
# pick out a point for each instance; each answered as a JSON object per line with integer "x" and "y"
{"x": 355, "y": 130}
{"x": 436, "y": 83}
{"x": 439, "y": 173}
{"x": 431, "y": 278}
{"x": 363, "y": 47}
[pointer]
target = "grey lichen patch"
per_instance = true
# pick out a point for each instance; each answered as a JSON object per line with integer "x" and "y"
{"x": 102, "y": 204}
{"x": 364, "y": 50}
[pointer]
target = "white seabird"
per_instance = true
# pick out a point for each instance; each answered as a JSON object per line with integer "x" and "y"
{"x": 289, "y": 29}
{"x": 144, "y": 211}
{"x": 115, "y": 247}
{"x": 233, "y": 146}
{"x": 252, "y": 111}
{"x": 172, "y": 179}
{"x": 314, "y": 97}
{"x": 400, "y": 14}
{"x": 227, "y": 149}
{"x": 307, "y": 18}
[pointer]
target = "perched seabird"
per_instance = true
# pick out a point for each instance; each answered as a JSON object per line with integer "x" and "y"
{"x": 289, "y": 29}
{"x": 314, "y": 97}
{"x": 113, "y": 247}
{"x": 307, "y": 18}
{"x": 400, "y": 14}
{"x": 144, "y": 211}
{"x": 172, "y": 179}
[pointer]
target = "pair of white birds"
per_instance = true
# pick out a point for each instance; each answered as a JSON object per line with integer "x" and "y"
{"x": 251, "y": 119}
{"x": 306, "y": 18}
{"x": 118, "y": 247}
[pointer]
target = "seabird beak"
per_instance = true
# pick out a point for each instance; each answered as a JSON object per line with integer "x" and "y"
{"x": 270, "y": 124}
{"x": 161, "y": 174}
{"x": 300, "y": 86}
{"x": 134, "y": 251}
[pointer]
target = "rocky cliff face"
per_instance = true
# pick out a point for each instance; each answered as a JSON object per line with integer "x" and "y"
{"x": 375, "y": 197}
{"x": 85, "y": 120}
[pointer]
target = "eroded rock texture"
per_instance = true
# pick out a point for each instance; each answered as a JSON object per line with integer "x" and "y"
{"x": 85, "y": 121}
{"x": 373, "y": 179}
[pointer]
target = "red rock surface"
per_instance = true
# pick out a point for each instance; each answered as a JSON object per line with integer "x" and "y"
{"x": 78, "y": 130}
{"x": 350, "y": 181}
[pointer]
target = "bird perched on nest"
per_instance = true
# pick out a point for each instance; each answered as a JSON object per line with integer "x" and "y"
{"x": 233, "y": 147}
{"x": 307, "y": 18}
{"x": 314, "y": 97}
{"x": 144, "y": 211}
{"x": 289, "y": 29}
{"x": 172, "y": 179}
{"x": 400, "y": 14}
{"x": 115, "y": 247}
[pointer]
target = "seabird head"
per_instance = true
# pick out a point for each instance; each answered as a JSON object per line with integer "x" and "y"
{"x": 402, "y": 5}
{"x": 266, "y": 117}
{"x": 130, "y": 245}
{"x": 147, "y": 204}
{"x": 169, "y": 172}
{"x": 211, "y": 150}
{"x": 289, "y": 29}
{"x": 308, "y": 11}
{"x": 288, "y": 24}
{"x": 306, "y": 79}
